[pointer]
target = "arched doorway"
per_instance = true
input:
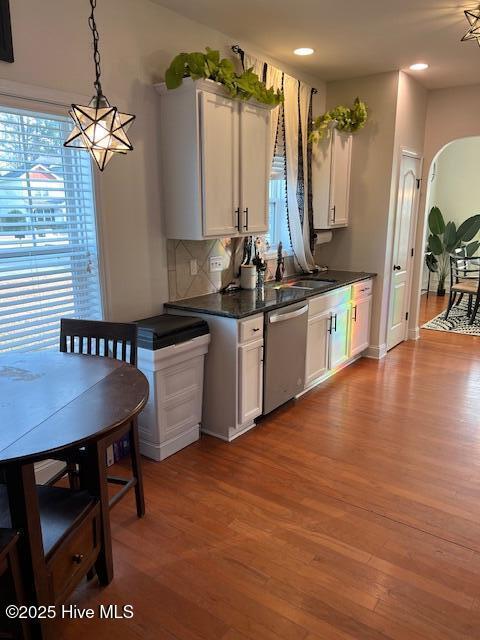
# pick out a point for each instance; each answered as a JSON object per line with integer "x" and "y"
{"x": 451, "y": 184}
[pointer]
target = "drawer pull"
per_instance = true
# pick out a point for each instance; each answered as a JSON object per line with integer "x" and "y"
{"x": 256, "y": 329}
{"x": 77, "y": 558}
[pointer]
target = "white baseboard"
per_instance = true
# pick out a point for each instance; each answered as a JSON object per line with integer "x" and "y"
{"x": 161, "y": 451}
{"x": 46, "y": 469}
{"x": 233, "y": 433}
{"x": 414, "y": 334}
{"x": 377, "y": 352}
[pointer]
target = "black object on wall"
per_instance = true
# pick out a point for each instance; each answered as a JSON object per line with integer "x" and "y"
{"x": 6, "y": 46}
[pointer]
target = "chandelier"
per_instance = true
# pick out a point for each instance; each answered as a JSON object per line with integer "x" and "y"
{"x": 99, "y": 128}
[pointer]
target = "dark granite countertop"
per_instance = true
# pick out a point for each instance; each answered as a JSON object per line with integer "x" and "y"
{"x": 243, "y": 303}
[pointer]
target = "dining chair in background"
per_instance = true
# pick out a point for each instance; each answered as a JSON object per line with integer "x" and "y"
{"x": 11, "y": 585}
{"x": 464, "y": 280}
{"x": 111, "y": 340}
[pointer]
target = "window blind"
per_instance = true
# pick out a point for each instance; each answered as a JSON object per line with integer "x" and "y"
{"x": 48, "y": 240}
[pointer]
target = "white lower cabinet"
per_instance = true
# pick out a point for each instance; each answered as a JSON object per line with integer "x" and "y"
{"x": 360, "y": 325}
{"x": 250, "y": 378}
{"x": 338, "y": 330}
{"x": 339, "y": 336}
{"x": 317, "y": 347}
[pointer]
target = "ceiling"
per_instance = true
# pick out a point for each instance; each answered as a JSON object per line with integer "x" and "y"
{"x": 350, "y": 38}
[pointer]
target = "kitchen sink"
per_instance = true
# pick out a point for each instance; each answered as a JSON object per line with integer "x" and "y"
{"x": 305, "y": 284}
{"x": 312, "y": 284}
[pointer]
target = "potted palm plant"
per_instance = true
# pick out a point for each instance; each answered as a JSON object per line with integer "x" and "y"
{"x": 446, "y": 239}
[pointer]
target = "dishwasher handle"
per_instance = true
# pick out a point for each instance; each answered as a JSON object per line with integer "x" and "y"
{"x": 281, "y": 317}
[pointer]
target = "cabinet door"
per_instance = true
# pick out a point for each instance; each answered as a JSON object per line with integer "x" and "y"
{"x": 250, "y": 381}
{"x": 360, "y": 326}
{"x": 219, "y": 132}
{"x": 317, "y": 347}
{"x": 340, "y": 179}
{"x": 339, "y": 336}
{"x": 255, "y": 168}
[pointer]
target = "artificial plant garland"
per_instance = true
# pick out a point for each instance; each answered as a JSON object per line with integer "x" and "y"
{"x": 342, "y": 118}
{"x": 209, "y": 65}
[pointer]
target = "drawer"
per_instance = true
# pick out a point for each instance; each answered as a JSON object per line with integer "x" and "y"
{"x": 324, "y": 302}
{"x": 75, "y": 555}
{"x": 250, "y": 329}
{"x": 362, "y": 289}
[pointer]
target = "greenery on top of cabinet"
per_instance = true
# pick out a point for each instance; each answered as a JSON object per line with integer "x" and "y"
{"x": 209, "y": 65}
{"x": 346, "y": 119}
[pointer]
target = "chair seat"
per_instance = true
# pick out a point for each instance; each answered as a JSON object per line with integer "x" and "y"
{"x": 466, "y": 286}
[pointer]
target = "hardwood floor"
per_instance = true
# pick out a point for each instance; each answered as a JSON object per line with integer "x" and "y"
{"x": 352, "y": 514}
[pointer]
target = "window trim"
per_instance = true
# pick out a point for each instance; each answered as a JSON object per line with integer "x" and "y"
{"x": 23, "y": 96}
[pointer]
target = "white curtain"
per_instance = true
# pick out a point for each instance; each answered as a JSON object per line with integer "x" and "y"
{"x": 305, "y": 98}
{"x": 297, "y": 101}
{"x": 274, "y": 79}
{"x": 294, "y": 99}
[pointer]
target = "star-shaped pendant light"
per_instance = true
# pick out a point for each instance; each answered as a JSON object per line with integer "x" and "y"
{"x": 473, "y": 33}
{"x": 99, "y": 128}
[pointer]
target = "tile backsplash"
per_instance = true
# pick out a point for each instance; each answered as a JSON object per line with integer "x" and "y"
{"x": 180, "y": 253}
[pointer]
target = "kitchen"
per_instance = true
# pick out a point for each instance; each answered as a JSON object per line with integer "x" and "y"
{"x": 303, "y": 472}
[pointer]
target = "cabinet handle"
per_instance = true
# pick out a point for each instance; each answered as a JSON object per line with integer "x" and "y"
{"x": 396, "y": 267}
{"x": 355, "y": 312}
{"x": 256, "y": 329}
{"x": 77, "y": 558}
{"x": 335, "y": 329}
{"x": 334, "y": 211}
{"x": 245, "y": 211}
{"x": 331, "y": 325}
{"x": 237, "y": 211}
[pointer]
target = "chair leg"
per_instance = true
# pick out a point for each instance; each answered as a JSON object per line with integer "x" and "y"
{"x": 460, "y": 298}
{"x": 469, "y": 308}
{"x": 475, "y": 309}
{"x": 137, "y": 468}
{"x": 451, "y": 301}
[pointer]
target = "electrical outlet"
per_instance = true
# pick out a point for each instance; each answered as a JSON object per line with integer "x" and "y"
{"x": 193, "y": 267}
{"x": 216, "y": 263}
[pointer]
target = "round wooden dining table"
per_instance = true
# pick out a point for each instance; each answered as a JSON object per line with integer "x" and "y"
{"x": 50, "y": 404}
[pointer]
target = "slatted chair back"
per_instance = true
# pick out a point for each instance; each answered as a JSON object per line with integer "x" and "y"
{"x": 116, "y": 340}
{"x": 464, "y": 269}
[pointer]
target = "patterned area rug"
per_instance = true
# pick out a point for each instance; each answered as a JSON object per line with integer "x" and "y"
{"x": 457, "y": 320}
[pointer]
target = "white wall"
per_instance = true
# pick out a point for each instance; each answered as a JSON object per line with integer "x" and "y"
{"x": 137, "y": 40}
{"x": 397, "y": 105}
{"x": 452, "y": 114}
{"x": 409, "y": 136}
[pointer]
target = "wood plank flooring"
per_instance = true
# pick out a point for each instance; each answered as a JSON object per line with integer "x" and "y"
{"x": 352, "y": 514}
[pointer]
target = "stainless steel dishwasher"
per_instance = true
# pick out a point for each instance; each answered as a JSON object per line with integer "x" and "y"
{"x": 285, "y": 350}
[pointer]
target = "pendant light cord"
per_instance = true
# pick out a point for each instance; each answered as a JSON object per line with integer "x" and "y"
{"x": 96, "y": 53}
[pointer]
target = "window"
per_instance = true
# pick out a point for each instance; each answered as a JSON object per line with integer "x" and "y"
{"x": 48, "y": 243}
{"x": 277, "y": 205}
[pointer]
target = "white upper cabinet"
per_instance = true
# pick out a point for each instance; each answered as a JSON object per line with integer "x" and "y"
{"x": 254, "y": 168}
{"x": 219, "y": 128}
{"x": 331, "y": 181}
{"x": 215, "y": 162}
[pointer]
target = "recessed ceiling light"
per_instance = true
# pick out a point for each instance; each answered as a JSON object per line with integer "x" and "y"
{"x": 303, "y": 51}
{"x": 419, "y": 66}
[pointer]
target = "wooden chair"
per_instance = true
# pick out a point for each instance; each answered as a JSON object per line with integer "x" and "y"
{"x": 11, "y": 586}
{"x": 112, "y": 340}
{"x": 464, "y": 280}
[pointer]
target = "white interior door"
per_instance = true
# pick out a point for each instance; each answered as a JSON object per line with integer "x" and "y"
{"x": 255, "y": 160}
{"x": 220, "y": 164}
{"x": 405, "y": 220}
